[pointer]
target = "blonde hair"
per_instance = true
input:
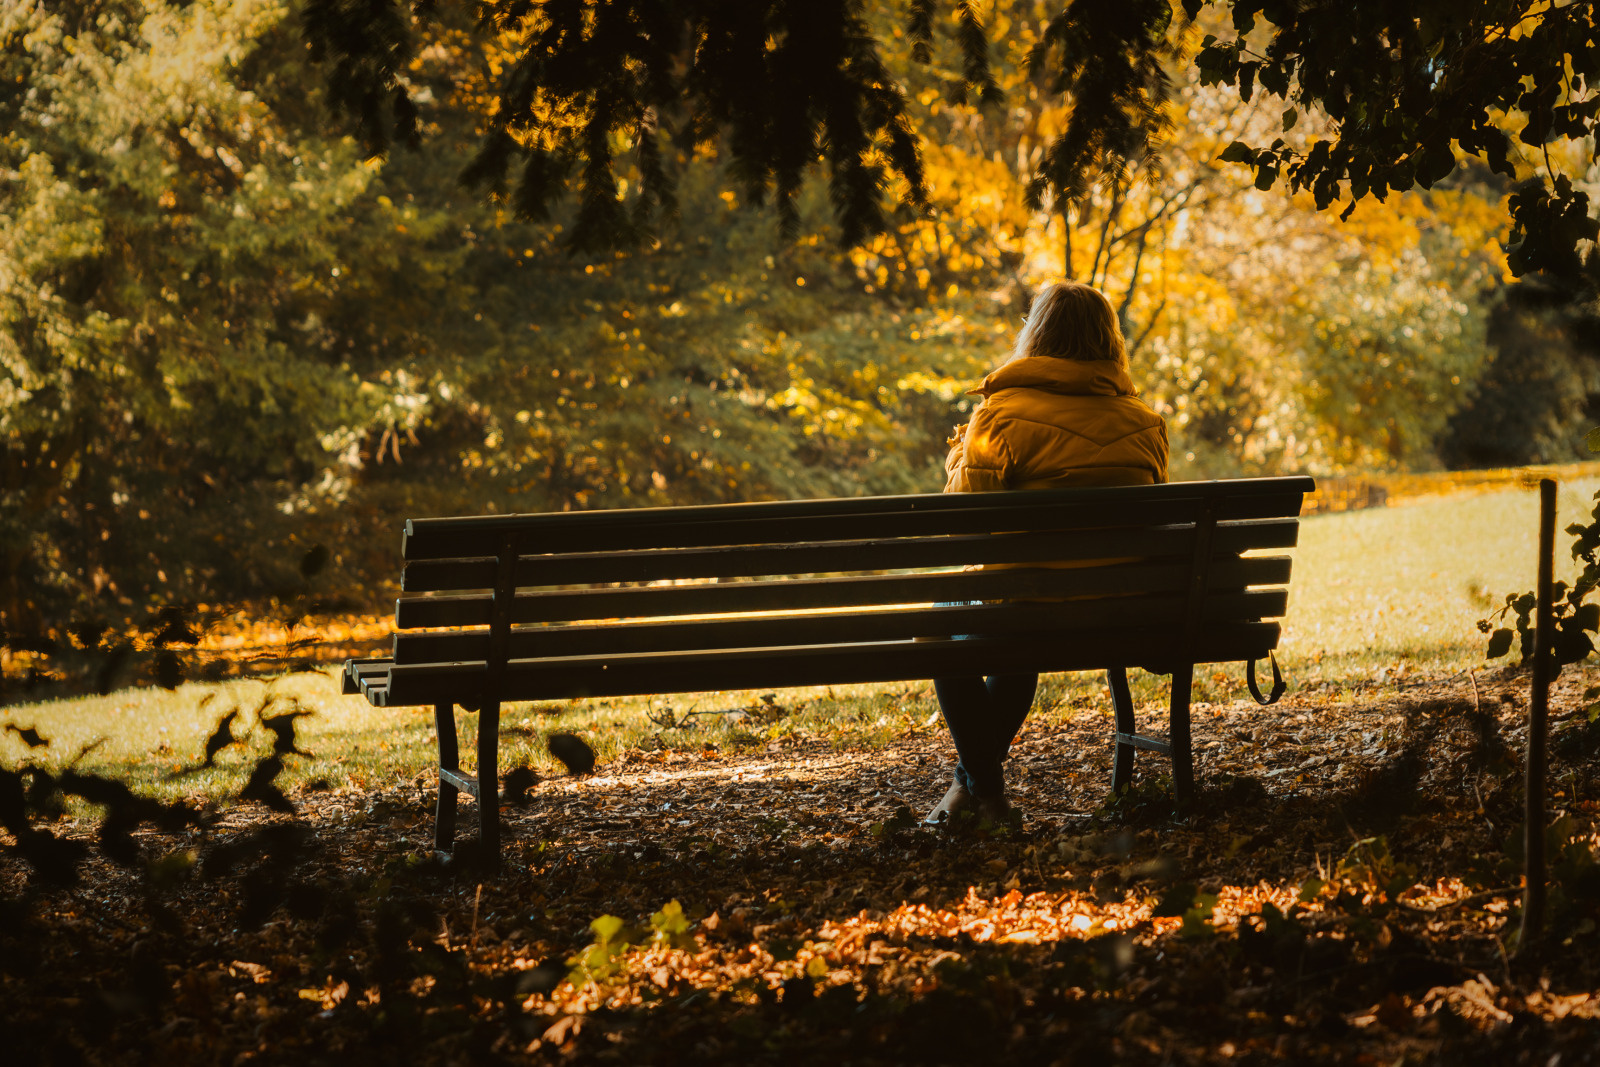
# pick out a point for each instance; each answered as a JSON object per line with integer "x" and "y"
{"x": 1070, "y": 320}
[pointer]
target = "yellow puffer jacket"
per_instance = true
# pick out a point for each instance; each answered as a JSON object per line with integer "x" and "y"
{"x": 1051, "y": 423}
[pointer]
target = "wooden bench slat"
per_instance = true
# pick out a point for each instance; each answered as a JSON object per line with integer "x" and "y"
{"x": 848, "y": 508}
{"x": 816, "y": 629}
{"x": 648, "y": 565}
{"x": 738, "y": 561}
{"x": 874, "y": 590}
{"x": 1059, "y": 516}
{"x": 754, "y": 668}
{"x": 870, "y": 517}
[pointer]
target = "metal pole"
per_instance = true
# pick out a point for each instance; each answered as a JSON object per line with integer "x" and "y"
{"x": 1533, "y": 893}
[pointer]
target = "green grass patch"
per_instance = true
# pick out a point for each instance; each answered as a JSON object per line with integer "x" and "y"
{"x": 1377, "y": 596}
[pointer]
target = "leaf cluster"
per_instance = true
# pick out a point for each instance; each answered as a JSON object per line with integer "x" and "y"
{"x": 1573, "y": 873}
{"x": 787, "y": 84}
{"x": 188, "y": 360}
{"x": 1407, "y": 87}
{"x": 1108, "y": 59}
{"x": 1572, "y": 620}
{"x": 1369, "y": 866}
{"x": 300, "y": 347}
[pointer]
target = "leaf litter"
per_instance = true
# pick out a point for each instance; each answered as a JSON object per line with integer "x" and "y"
{"x": 1344, "y": 890}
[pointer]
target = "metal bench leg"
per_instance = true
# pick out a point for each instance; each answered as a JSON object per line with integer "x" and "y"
{"x": 1178, "y": 734}
{"x": 1122, "y": 704}
{"x": 444, "y": 826}
{"x": 489, "y": 783}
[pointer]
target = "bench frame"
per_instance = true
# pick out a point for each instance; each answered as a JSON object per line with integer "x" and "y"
{"x": 510, "y": 538}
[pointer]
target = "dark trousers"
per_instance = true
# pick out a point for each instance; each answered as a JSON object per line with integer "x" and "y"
{"x": 984, "y": 715}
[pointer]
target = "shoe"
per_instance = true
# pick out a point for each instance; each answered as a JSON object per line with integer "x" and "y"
{"x": 999, "y": 811}
{"x": 956, "y": 801}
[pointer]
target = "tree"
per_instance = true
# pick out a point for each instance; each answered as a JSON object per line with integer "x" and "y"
{"x": 229, "y": 336}
{"x": 1447, "y": 96}
{"x": 782, "y": 85}
{"x": 1272, "y": 336}
{"x": 221, "y": 330}
{"x": 1544, "y": 382}
{"x": 189, "y": 352}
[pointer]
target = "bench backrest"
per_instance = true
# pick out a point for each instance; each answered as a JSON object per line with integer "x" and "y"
{"x": 832, "y": 591}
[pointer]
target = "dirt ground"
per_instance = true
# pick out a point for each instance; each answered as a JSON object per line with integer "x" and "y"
{"x": 1341, "y": 892}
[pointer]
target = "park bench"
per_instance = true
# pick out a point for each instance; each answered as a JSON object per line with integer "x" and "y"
{"x": 822, "y": 592}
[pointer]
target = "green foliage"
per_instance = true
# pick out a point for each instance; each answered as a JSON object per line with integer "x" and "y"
{"x": 1197, "y": 918}
{"x": 1574, "y": 878}
{"x": 1365, "y": 886}
{"x": 1578, "y": 736}
{"x": 301, "y": 346}
{"x": 594, "y": 80}
{"x": 1356, "y": 362}
{"x": 1572, "y": 620}
{"x": 780, "y": 87}
{"x": 1177, "y": 899}
{"x": 671, "y": 926}
{"x": 1369, "y": 866}
{"x": 1591, "y": 713}
{"x": 1387, "y": 351}
{"x": 1108, "y": 59}
{"x": 1145, "y": 800}
{"x": 1196, "y": 909}
{"x": 1573, "y": 874}
{"x": 713, "y": 369}
{"x": 188, "y": 282}
{"x": 893, "y": 829}
{"x": 605, "y": 960}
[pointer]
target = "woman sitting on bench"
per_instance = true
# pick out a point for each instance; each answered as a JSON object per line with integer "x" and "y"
{"x": 1060, "y": 411}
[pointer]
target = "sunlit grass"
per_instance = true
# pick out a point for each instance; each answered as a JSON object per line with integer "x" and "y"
{"x": 1402, "y": 588}
{"x": 1376, "y": 595}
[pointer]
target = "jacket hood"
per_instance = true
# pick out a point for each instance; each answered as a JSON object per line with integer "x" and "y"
{"x": 1069, "y": 377}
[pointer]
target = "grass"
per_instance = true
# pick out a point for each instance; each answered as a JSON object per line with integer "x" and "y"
{"x": 1402, "y": 588}
{"x": 1378, "y": 596}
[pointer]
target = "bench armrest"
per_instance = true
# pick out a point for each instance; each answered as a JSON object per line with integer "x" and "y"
{"x": 351, "y": 677}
